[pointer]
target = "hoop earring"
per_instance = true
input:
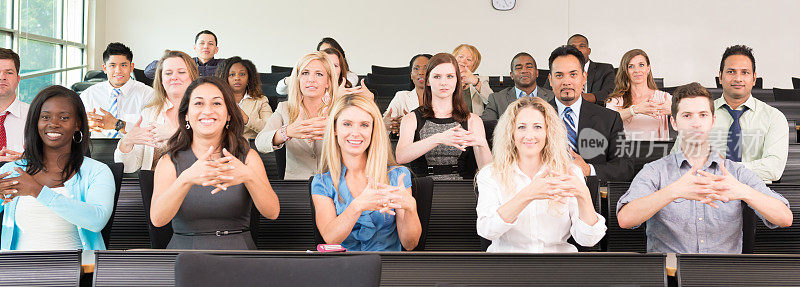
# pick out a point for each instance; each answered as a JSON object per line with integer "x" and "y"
{"x": 188, "y": 127}
{"x": 80, "y": 137}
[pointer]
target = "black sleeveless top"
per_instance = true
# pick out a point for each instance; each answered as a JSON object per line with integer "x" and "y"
{"x": 442, "y": 162}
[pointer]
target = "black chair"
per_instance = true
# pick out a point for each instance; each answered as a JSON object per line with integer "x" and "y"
{"x": 159, "y": 236}
{"x": 795, "y": 83}
{"x": 737, "y": 270}
{"x": 281, "y": 69}
{"x": 758, "y": 85}
{"x": 269, "y": 161}
{"x": 421, "y": 190}
{"x": 659, "y": 83}
{"x": 541, "y": 80}
{"x": 197, "y": 270}
{"x": 95, "y": 74}
{"x": 40, "y": 268}
{"x": 116, "y": 171}
{"x": 780, "y": 240}
{"x": 497, "y": 83}
{"x": 619, "y": 239}
{"x": 294, "y": 228}
{"x": 79, "y": 87}
{"x": 452, "y": 226}
{"x": 280, "y": 160}
{"x": 272, "y": 78}
{"x": 388, "y": 79}
{"x": 141, "y": 77}
{"x": 102, "y": 149}
{"x": 391, "y": 70}
{"x": 272, "y": 95}
{"x": 786, "y": 95}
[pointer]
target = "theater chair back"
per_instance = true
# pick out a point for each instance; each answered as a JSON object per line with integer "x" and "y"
{"x": 198, "y": 270}
{"x": 159, "y": 236}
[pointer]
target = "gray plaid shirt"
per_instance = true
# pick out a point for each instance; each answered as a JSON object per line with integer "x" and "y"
{"x": 688, "y": 226}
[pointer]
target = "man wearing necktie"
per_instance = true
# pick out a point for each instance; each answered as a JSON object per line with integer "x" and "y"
{"x": 593, "y": 132}
{"x": 524, "y": 73}
{"x": 112, "y": 105}
{"x": 13, "y": 111}
{"x": 757, "y": 133}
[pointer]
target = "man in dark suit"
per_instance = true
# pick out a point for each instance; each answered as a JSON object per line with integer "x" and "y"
{"x": 524, "y": 73}
{"x": 599, "y": 76}
{"x": 593, "y": 132}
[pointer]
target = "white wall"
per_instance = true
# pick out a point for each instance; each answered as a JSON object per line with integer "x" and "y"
{"x": 684, "y": 38}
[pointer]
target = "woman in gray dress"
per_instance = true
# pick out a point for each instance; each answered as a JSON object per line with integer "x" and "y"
{"x": 207, "y": 181}
{"x": 442, "y": 138}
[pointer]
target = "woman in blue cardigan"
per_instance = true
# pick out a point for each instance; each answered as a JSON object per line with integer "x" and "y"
{"x": 54, "y": 198}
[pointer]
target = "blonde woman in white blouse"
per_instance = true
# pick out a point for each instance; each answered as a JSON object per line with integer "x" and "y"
{"x": 532, "y": 198}
{"x": 146, "y": 141}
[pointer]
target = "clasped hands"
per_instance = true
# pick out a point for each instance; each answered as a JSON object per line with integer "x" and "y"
{"x": 559, "y": 187}
{"x": 460, "y": 138}
{"x": 221, "y": 173}
{"x": 706, "y": 187}
{"x": 652, "y": 108}
{"x": 385, "y": 198}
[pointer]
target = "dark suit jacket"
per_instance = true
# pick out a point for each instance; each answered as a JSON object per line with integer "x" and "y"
{"x": 609, "y": 165}
{"x": 600, "y": 80}
{"x": 498, "y": 101}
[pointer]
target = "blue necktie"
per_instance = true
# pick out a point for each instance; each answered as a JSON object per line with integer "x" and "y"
{"x": 521, "y": 94}
{"x": 572, "y": 135}
{"x": 113, "y": 110}
{"x": 735, "y": 135}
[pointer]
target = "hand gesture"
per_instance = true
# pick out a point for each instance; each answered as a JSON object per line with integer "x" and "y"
{"x": 578, "y": 160}
{"x": 402, "y": 196}
{"x": 232, "y": 171}
{"x": 205, "y": 171}
{"x": 21, "y": 185}
{"x": 648, "y": 108}
{"x": 376, "y": 197}
{"x": 393, "y": 123}
{"x": 569, "y": 185}
{"x": 727, "y": 187}
{"x": 468, "y": 78}
{"x": 311, "y": 129}
{"x": 360, "y": 90}
{"x": 102, "y": 121}
{"x": 8, "y": 155}
{"x": 454, "y": 137}
{"x": 162, "y": 133}
{"x": 138, "y": 135}
{"x": 694, "y": 187}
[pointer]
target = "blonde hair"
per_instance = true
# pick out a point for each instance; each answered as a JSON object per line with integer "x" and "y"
{"x": 295, "y": 99}
{"x": 506, "y": 156}
{"x": 379, "y": 152}
{"x": 158, "y": 83}
{"x": 476, "y": 56}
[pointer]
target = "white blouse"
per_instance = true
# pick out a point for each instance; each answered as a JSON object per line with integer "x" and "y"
{"x": 403, "y": 102}
{"x": 141, "y": 156}
{"x": 42, "y": 229}
{"x": 539, "y": 228}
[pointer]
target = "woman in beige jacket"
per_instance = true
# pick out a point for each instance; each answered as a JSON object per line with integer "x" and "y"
{"x": 245, "y": 82}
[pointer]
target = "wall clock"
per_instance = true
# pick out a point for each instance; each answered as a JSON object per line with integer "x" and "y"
{"x": 504, "y": 5}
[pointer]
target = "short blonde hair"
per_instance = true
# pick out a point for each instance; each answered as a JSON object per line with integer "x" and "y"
{"x": 158, "y": 83}
{"x": 295, "y": 98}
{"x": 476, "y": 56}
{"x": 379, "y": 151}
{"x": 506, "y": 156}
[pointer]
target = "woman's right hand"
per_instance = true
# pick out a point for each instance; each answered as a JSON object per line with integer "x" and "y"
{"x": 648, "y": 108}
{"x": 137, "y": 135}
{"x": 544, "y": 186}
{"x": 312, "y": 129}
{"x": 454, "y": 137}
{"x": 377, "y": 197}
{"x": 204, "y": 171}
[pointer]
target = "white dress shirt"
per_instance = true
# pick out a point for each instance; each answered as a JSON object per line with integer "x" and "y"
{"x": 133, "y": 96}
{"x": 15, "y": 125}
{"x": 541, "y": 227}
{"x": 403, "y": 102}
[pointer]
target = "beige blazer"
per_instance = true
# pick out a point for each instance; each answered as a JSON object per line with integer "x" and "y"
{"x": 258, "y": 111}
{"x": 301, "y": 156}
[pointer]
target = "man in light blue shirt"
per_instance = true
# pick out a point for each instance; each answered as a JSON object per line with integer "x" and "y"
{"x": 692, "y": 199}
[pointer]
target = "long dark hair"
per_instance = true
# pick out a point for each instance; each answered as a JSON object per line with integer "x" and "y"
{"x": 253, "y": 79}
{"x": 232, "y": 138}
{"x": 342, "y": 66}
{"x": 34, "y": 146}
{"x": 460, "y": 111}
{"x": 622, "y": 82}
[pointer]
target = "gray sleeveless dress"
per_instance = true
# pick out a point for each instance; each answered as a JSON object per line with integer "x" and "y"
{"x": 203, "y": 212}
{"x": 441, "y": 154}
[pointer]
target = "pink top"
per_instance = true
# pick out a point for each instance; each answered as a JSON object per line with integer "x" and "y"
{"x": 643, "y": 127}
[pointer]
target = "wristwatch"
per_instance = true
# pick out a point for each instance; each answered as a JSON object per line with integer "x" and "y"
{"x": 119, "y": 125}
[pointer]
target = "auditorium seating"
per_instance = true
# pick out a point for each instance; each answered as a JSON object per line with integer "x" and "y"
{"x": 786, "y": 95}
{"x": 156, "y": 268}
{"x": 198, "y": 270}
{"x": 40, "y": 268}
{"x": 497, "y": 83}
{"x": 102, "y": 149}
{"x": 384, "y": 93}
{"x": 116, "y": 171}
{"x": 659, "y": 83}
{"x": 280, "y": 69}
{"x": 391, "y": 70}
{"x": 737, "y": 270}
{"x": 388, "y": 79}
{"x": 795, "y": 83}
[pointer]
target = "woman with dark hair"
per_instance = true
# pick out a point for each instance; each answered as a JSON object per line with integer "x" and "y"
{"x": 644, "y": 109}
{"x": 406, "y": 101}
{"x": 243, "y": 78}
{"x": 55, "y": 198}
{"x": 209, "y": 176}
{"x": 435, "y": 139}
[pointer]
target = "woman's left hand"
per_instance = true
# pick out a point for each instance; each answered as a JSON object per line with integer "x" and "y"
{"x": 360, "y": 90}
{"x": 232, "y": 172}
{"x": 402, "y": 196}
{"x": 22, "y": 185}
{"x": 467, "y": 77}
{"x": 570, "y": 185}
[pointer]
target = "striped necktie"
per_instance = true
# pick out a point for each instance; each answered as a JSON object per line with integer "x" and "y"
{"x": 572, "y": 134}
{"x": 113, "y": 110}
